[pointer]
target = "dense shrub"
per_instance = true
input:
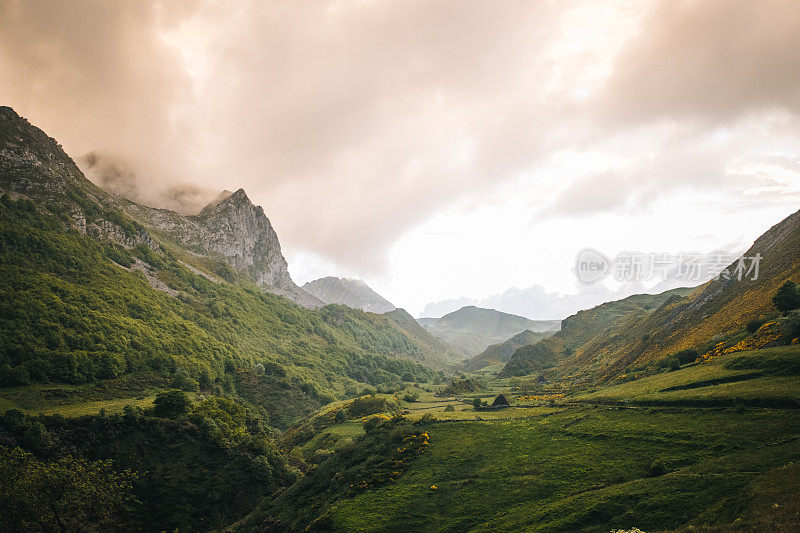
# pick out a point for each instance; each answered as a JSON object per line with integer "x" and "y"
{"x": 368, "y": 405}
{"x": 753, "y": 325}
{"x": 172, "y": 404}
{"x": 687, "y": 356}
{"x": 461, "y": 386}
{"x": 656, "y": 469}
{"x": 787, "y": 297}
{"x": 792, "y": 324}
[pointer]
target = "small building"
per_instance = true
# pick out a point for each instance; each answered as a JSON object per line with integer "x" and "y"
{"x": 500, "y": 402}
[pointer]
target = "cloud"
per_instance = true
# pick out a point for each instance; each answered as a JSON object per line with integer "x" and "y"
{"x": 121, "y": 177}
{"x": 712, "y": 60}
{"x": 349, "y": 121}
{"x": 352, "y": 122}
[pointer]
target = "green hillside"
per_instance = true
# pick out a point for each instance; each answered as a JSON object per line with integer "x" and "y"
{"x": 716, "y": 312}
{"x": 582, "y": 328}
{"x": 710, "y": 447}
{"x": 89, "y": 294}
{"x": 500, "y": 353}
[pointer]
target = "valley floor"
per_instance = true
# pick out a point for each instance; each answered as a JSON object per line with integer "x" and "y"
{"x": 713, "y": 446}
{"x": 709, "y": 447}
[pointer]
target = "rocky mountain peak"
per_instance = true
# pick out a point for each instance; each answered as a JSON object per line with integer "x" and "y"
{"x": 350, "y": 292}
{"x": 239, "y": 231}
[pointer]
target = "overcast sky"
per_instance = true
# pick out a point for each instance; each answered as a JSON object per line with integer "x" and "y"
{"x": 446, "y": 152}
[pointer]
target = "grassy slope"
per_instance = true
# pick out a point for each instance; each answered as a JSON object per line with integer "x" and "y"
{"x": 581, "y": 328}
{"x": 583, "y": 469}
{"x": 584, "y": 465}
{"x": 759, "y": 377}
{"x": 717, "y": 308}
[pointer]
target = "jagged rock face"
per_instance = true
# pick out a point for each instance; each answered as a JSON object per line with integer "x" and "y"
{"x": 240, "y": 233}
{"x": 350, "y": 292}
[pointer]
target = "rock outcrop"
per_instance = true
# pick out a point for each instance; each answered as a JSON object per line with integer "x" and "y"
{"x": 238, "y": 232}
{"x": 350, "y": 292}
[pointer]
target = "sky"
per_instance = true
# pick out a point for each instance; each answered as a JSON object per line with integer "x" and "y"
{"x": 446, "y": 152}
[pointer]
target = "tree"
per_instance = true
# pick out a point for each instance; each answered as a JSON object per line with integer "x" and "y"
{"x": 63, "y": 495}
{"x": 786, "y": 298}
{"x": 172, "y": 404}
{"x": 476, "y": 403}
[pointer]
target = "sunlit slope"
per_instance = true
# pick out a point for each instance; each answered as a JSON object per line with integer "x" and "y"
{"x": 717, "y": 308}
{"x": 583, "y": 327}
{"x": 769, "y": 377}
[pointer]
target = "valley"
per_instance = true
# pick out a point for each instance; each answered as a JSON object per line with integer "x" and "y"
{"x": 168, "y": 365}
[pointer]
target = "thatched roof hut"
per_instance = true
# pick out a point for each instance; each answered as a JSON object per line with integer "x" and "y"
{"x": 500, "y": 401}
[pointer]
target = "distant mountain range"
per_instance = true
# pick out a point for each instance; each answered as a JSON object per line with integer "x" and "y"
{"x": 473, "y": 329}
{"x": 350, "y": 292}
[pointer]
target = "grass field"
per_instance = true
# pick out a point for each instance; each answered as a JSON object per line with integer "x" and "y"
{"x": 586, "y": 468}
{"x": 726, "y": 431}
{"x": 757, "y": 377}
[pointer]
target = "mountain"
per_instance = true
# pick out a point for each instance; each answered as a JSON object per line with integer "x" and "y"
{"x": 95, "y": 288}
{"x": 640, "y": 333}
{"x": 441, "y": 354}
{"x": 502, "y": 352}
{"x": 350, "y": 292}
{"x": 235, "y": 230}
{"x": 473, "y": 329}
{"x": 715, "y": 312}
{"x": 581, "y": 328}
